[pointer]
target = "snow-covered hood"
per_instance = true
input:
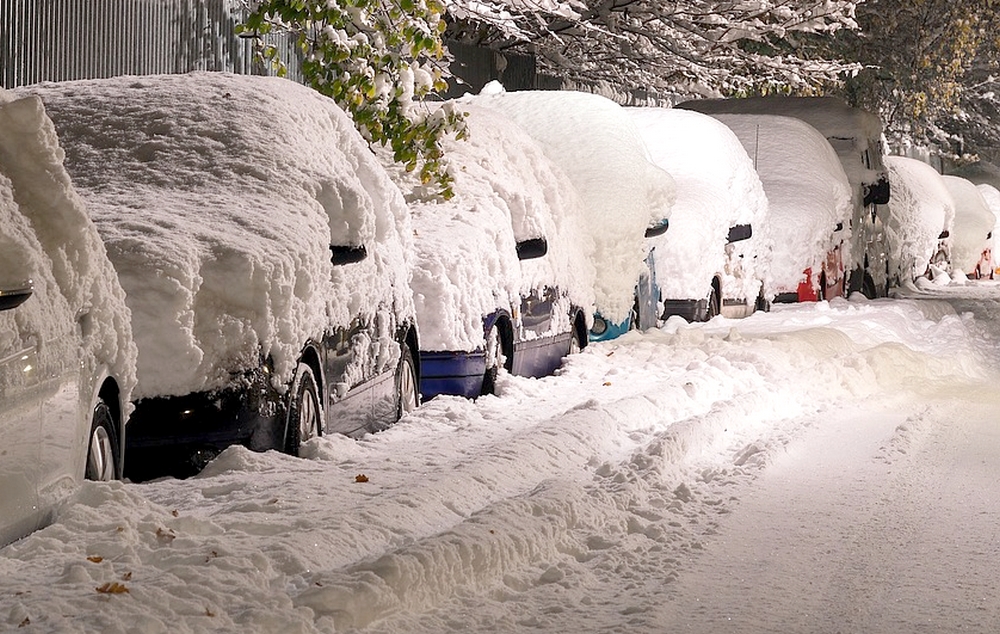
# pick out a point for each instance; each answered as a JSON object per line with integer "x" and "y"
{"x": 218, "y": 197}
{"x": 807, "y": 191}
{"x": 920, "y": 209}
{"x": 717, "y": 188}
{"x": 973, "y": 223}
{"x": 465, "y": 264}
{"x": 598, "y": 147}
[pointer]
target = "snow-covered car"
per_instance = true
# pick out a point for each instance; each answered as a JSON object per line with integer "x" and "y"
{"x": 921, "y": 216}
{"x": 67, "y": 359}
{"x": 625, "y": 196}
{"x": 707, "y": 263}
{"x": 856, "y": 137}
{"x": 992, "y": 197}
{"x": 972, "y": 238}
{"x": 500, "y": 279}
{"x": 809, "y": 205}
{"x": 264, "y": 253}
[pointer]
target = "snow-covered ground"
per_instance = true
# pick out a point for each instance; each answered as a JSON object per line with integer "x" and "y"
{"x": 825, "y": 467}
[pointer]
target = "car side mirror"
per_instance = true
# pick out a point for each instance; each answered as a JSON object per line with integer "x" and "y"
{"x": 531, "y": 249}
{"x": 14, "y": 295}
{"x": 658, "y": 229}
{"x": 877, "y": 193}
{"x": 738, "y": 233}
{"x": 341, "y": 254}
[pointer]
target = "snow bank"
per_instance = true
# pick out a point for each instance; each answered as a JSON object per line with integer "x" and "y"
{"x": 218, "y": 197}
{"x": 596, "y": 144}
{"x": 465, "y": 265}
{"x": 921, "y": 207}
{"x": 807, "y": 191}
{"x": 61, "y": 253}
{"x": 717, "y": 188}
{"x": 570, "y": 504}
{"x": 973, "y": 223}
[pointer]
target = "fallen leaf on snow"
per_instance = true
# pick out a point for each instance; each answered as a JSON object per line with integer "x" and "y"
{"x": 361, "y": 478}
{"x": 112, "y": 587}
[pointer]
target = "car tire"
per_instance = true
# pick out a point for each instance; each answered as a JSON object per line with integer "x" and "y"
{"x": 494, "y": 360}
{"x": 407, "y": 390}
{"x": 576, "y": 341}
{"x": 714, "y": 304}
{"x": 103, "y": 446}
{"x": 305, "y": 412}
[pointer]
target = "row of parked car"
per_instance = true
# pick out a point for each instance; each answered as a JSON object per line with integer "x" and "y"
{"x": 217, "y": 259}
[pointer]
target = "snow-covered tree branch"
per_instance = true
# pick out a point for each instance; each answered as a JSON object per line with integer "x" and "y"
{"x": 378, "y": 59}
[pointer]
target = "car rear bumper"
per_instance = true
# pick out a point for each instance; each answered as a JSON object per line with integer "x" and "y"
{"x": 456, "y": 373}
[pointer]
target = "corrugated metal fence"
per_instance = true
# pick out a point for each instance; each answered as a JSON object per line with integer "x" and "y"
{"x": 58, "y": 40}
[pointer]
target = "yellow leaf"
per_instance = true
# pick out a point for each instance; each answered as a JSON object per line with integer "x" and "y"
{"x": 95, "y": 559}
{"x": 112, "y": 587}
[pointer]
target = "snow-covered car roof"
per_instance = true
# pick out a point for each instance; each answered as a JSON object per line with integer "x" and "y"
{"x": 973, "y": 223}
{"x": 465, "y": 265}
{"x": 598, "y": 147}
{"x": 46, "y": 233}
{"x": 717, "y": 188}
{"x": 807, "y": 191}
{"x": 920, "y": 209}
{"x": 851, "y": 131}
{"x": 218, "y": 197}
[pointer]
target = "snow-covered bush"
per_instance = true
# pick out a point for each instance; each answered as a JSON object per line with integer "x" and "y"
{"x": 717, "y": 188}
{"x": 992, "y": 197}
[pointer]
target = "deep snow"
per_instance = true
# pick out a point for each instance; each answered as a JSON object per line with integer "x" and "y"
{"x": 825, "y": 467}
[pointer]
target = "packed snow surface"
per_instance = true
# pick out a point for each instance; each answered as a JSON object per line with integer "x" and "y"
{"x": 807, "y": 190}
{"x": 821, "y": 467}
{"x": 717, "y": 188}
{"x": 973, "y": 224}
{"x": 920, "y": 209}
{"x": 46, "y": 238}
{"x": 465, "y": 266}
{"x": 218, "y": 198}
{"x": 598, "y": 147}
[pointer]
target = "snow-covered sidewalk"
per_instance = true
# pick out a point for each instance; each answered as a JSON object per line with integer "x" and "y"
{"x": 612, "y": 497}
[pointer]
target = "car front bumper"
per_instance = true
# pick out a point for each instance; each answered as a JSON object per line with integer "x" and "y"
{"x": 178, "y": 435}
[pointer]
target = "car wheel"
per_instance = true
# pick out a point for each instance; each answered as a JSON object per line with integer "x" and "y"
{"x": 103, "y": 446}
{"x": 494, "y": 360}
{"x": 575, "y": 341}
{"x": 714, "y": 304}
{"x": 634, "y": 317}
{"x": 407, "y": 395}
{"x": 868, "y": 287}
{"x": 305, "y": 418}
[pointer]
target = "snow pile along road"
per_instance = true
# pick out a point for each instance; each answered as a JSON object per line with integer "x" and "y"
{"x": 574, "y": 503}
